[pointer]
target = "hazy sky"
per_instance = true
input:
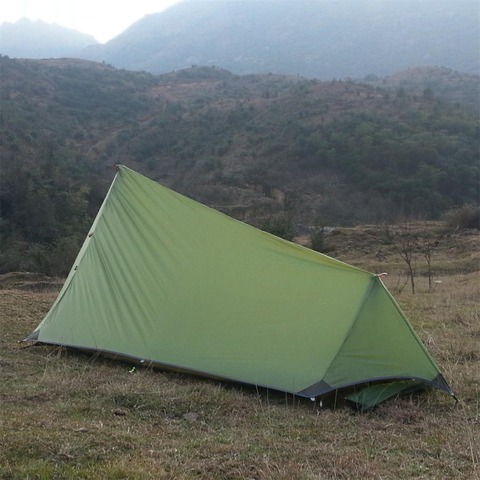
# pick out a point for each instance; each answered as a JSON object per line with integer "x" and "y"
{"x": 104, "y": 19}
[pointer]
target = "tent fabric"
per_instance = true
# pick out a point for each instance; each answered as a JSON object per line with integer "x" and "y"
{"x": 165, "y": 280}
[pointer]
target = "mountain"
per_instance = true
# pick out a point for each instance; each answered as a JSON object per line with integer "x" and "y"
{"x": 28, "y": 39}
{"x": 315, "y": 38}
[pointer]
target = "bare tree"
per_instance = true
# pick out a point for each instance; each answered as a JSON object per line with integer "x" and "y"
{"x": 427, "y": 248}
{"x": 405, "y": 247}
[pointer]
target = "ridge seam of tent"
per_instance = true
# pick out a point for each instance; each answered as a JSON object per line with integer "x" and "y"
{"x": 338, "y": 264}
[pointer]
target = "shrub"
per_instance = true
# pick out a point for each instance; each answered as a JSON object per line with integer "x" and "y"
{"x": 467, "y": 216}
{"x": 280, "y": 226}
{"x": 317, "y": 239}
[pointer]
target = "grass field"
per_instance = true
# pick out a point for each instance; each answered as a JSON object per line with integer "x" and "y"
{"x": 65, "y": 414}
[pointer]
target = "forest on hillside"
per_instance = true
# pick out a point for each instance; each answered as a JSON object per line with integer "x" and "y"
{"x": 258, "y": 147}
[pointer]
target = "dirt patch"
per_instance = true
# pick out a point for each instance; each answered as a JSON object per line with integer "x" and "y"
{"x": 29, "y": 281}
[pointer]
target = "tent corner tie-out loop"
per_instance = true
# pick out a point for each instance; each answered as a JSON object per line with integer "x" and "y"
{"x": 381, "y": 275}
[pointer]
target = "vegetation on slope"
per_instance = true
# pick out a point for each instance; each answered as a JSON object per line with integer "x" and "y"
{"x": 313, "y": 152}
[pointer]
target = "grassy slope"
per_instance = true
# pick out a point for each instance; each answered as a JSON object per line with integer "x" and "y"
{"x": 68, "y": 415}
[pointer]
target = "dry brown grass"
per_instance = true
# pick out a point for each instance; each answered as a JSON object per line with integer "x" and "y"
{"x": 69, "y": 415}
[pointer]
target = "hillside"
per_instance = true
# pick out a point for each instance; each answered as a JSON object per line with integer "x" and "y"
{"x": 441, "y": 82}
{"x": 262, "y": 148}
{"x": 28, "y": 39}
{"x": 314, "y": 38}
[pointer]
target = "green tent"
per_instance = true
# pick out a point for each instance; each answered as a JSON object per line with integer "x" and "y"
{"x": 164, "y": 280}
